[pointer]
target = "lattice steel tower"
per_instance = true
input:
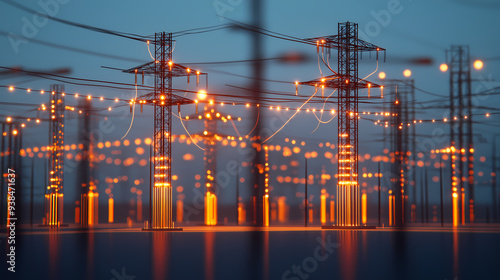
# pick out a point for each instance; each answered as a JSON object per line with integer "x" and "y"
{"x": 462, "y": 146}
{"x": 348, "y": 83}
{"x": 402, "y": 140}
{"x": 54, "y": 196}
{"x": 163, "y": 69}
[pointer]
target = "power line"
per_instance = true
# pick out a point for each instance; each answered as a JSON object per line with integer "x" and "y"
{"x": 73, "y": 49}
{"x": 79, "y": 25}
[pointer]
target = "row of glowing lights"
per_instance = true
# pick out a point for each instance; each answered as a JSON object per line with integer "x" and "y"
{"x": 202, "y": 94}
{"x": 286, "y": 152}
{"x": 478, "y": 65}
{"x": 148, "y": 141}
{"x": 378, "y": 122}
{"x": 386, "y": 123}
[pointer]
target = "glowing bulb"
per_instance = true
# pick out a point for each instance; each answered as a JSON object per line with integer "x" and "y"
{"x": 407, "y": 73}
{"x": 478, "y": 64}
{"x": 381, "y": 75}
{"x": 9, "y": 119}
{"x": 443, "y": 67}
{"x": 202, "y": 94}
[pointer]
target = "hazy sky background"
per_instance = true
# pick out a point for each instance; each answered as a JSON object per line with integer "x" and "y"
{"x": 420, "y": 29}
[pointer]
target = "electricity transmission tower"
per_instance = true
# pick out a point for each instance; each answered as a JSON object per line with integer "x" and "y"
{"x": 348, "y": 83}
{"x": 458, "y": 61}
{"x": 402, "y": 142}
{"x": 163, "y": 69}
{"x": 54, "y": 195}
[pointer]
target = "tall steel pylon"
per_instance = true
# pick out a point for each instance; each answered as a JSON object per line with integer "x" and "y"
{"x": 163, "y": 69}
{"x": 210, "y": 135}
{"x": 88, "y": 192}
{"x": 347, "y": 81}
{"x": 54, "y": 195}
{"x": 210, "y": 169}
{"x": 458, "y": 60}
{"x": 10, "y": 159}
{"x": 402, "y": 138}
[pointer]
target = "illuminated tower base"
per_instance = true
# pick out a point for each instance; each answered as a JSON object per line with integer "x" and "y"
{"x": 90, "y": 209}
{"x": 54, "y": 196}
{"x": 54, "y": 204}
{"x": 210, "y": 209}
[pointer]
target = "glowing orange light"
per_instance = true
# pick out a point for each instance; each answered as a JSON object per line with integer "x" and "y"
{"x": 110, "y": 210}
{"x": 381, "y": 75}
{"x": 443, "y": 67}
{"x": 363, "y": 208}
{"x": 202, "y": 94}
{"x": 478, "y": 64}
{"x": 323, "y": 208}
{"x": 407, "y": 73}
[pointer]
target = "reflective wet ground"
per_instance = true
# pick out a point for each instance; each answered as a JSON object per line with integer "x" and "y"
{"x": 277, "y": 253}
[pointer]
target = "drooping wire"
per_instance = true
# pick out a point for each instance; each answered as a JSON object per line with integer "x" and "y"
{"x": 235, "y": 128}
{"x": 255, "y": 126}
{"x": 80, "y": 25}
{"x": 296, "y": 112}
{"x": 133, "y": 113}
{"x": 321, "y": 117}
{"x": 185, "y": 129}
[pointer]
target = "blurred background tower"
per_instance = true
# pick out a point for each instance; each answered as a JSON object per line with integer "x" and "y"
{"x": 402, "y": 147}
{"x": 54, "y": 195}
{"x": 210, "y": 166}
{"x": 88, "y": 196}
{"x": 462, "y": 146}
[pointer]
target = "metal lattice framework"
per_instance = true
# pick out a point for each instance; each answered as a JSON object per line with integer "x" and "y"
{"x": 162, "y": 99}
{"x": 210, "y": 168}
{"x": 458, "y": 59}
{"x": 210, "y": 136}
{"x": 402, "y": 136}
{"x": 54, "y": 196}
{"x": 347, "y": 81}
